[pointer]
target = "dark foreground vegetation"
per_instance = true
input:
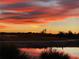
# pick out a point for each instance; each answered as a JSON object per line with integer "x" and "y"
{"x": 53, "y": 55}
{"x": 11, "y": 52}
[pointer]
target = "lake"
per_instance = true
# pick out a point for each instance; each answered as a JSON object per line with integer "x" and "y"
{"x": 72, "y": 51}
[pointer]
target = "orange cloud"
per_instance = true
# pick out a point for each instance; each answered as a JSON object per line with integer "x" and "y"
{"x": 2, "y": 27}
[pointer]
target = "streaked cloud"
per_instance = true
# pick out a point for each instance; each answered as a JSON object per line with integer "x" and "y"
{"x": 3, "y": 26}
{"x": 37, "y": 11}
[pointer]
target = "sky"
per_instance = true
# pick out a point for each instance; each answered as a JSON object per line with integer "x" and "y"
{"x": 36, "y": 15}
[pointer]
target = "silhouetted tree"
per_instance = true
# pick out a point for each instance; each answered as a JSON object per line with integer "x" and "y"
{"x": 44, "y": 31}
{"x": 70, "y": 32}
{"x": 53, "y": 55}
{"x": 11, "y": 52}
{"x": 61, "y": 35}
{"x": 70, "y": 35}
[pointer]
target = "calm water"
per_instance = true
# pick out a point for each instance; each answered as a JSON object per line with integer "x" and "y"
{"x": 72, "y": 51}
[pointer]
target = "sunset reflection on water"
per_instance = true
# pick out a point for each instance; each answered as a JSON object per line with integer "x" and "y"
{"x": 73, "y": 52}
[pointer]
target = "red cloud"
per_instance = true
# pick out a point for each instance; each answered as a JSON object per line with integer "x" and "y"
{"x": 34, "y": 20}
{"x": 10, "y": 1}
{"x": 28, "y": 13}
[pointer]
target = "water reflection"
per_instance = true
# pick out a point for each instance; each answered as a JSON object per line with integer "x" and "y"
{"x": 33, "y": 51}
{"x": 72, "y": 51}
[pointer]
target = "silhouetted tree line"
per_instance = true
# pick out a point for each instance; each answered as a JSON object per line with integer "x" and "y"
{"x": 11, "y": 52}
{"x": 37, "y": 36}
{"x": 68, "y": 35}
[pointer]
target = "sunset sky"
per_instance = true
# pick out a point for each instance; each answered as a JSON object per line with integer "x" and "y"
{"x": 36, "y": 15}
